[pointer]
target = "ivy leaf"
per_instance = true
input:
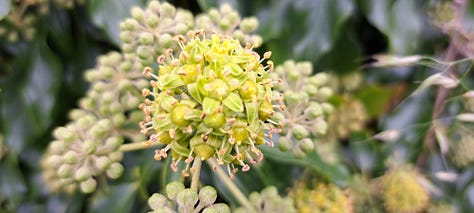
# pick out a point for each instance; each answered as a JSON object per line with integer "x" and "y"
{"x": 4, "y": 8}
{"x": 400, "y": 21}
{"x": 337, "y": 174}
{"x": 303, "y": 29}
{"x": 118, "y": 198}
{"x": 12, "y": 184}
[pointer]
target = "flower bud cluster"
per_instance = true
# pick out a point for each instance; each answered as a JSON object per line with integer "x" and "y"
{"x": 402, "y": 192}
{"x": 151, "y": 32}
{"x": 85, "y": 148}
{"x": 89, "y": 145}
{"x": 269, "y": 201}
{"x": 181, "y": 199}
{"x": 227, "y": 21}
{"x": 350, "y": 114}
{"x": 305, "y": 97}
{"x": 323, "y": 198}
{"x": 20, "y": 23}
{"x": 462, "y": 148}
{"x": 215, "y": 100}
{"x": 114, "y": 90}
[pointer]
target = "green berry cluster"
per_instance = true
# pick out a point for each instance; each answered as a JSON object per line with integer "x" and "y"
{"x": 269, "y": 201}
{"x": 305, "y": 97}
{"x": 85, "y": 148}
{"x": 181, "y": 199}
{"x": 214, "y": 100}
{"x": 89, "y": 145}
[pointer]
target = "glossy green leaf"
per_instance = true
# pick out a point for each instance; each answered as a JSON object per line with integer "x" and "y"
{"x": 4, "y": 8}
{"x": 400, "y": 21}
{"x": 303, "y": 29}
{"x": 334, "y": 173}
{"x": 117, "y": 198}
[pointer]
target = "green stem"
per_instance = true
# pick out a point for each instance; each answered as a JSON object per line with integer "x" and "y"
{"x": 231, "y": 185}
{"x": 136, "y": 146}
{"x": 196, "y": 173}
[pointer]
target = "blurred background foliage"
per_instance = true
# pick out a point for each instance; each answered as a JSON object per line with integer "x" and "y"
{"x": 45, "y": 47}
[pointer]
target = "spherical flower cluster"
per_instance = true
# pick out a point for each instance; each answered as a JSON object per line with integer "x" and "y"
{"x": 269, "y": 201}
{"x": 181, "y": 199}
{"x": 215, "y": 100}
{"x": 350, "y": 114}
{"x": 227, "y": 21}
{"x": 305, "y": 98}
{"x": 462, "y": 148}
{"x": 89, "y": 145}
{"x": 20, "y": 21}
{"x": 114, "y": 90}
{"x": 150, "y": 32}
{"x": 402, "y": 192}
{"x": 85, "y": 148}
{"x": 323, "y": 198}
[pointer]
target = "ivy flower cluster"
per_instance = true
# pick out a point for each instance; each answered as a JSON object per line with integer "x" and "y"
{"x": 89, "y": 145}
{"x": 181, "y": 199}
{"x": 323, "y": 198}
{"x": 402, "y": 192}
{"x": 305, "y": 97}
{"x": 214, "y": 100}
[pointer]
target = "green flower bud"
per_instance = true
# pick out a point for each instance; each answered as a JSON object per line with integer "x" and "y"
{"x": 89, "y": 146}
{"x": 65, "y": 171}
{"x": 57, "y": 147}
{"x": 102, "y": 163}
{"x": 284, "y": 144}
{"x": 319, "y": 79}
{"x": 62, "y": 133}
{"x": 54, "y": 160}
{"x": 138, "y": 14}
{"x": 306, "y": 145}
{"x": 115, "y": 170}
{"x": 173, "y": 188}
{"x": 89, "y": 185}
{"x": 217, "y": 208}
{"x": 315, "y": 110}
{"x": 324, "y": 93}
{"x": 187, "y": 198}
{"x": 299, "y": 132}
{"x": 83, "y": 174}
{"x": 145, "y": 52}
{"x": 207, "y": 195}
{"x": 116, "y": 156}
{"x": 157, "y": 201}
{"x": 249, "y": 24}
{"x": 70, "y": 157}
